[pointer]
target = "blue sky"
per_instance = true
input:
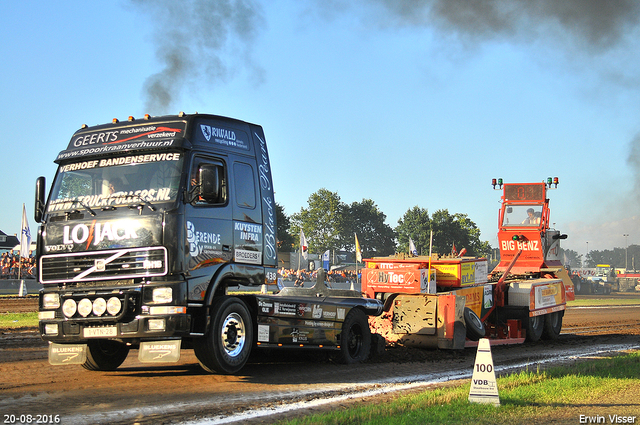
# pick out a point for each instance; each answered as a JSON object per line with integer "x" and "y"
{"x": 403, "y": 102}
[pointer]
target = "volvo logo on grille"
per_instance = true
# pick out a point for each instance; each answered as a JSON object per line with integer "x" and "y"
{"x": 100, "y": 264}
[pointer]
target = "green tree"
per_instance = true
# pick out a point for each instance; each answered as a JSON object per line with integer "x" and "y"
{"x": 322, "y": 221}
{"x": 367, "y": 221}
{"x": 414, "y": 224}
{"x": 286, "y": 241}
{"x": 448, "y": 230}
{"x": 570, "y": 258}
{"x": 459, "y": 231}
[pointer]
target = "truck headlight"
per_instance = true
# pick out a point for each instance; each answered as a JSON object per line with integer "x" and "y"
{"x": 51, "y": 329}
{"x": 162, "y": 295}
{"x": 69, "y": 307}
{"x": 85, "y": 307}
{"x": 50, "y": 300}
{"x": 114, "y": 305}
{"x": 99, "y": 306}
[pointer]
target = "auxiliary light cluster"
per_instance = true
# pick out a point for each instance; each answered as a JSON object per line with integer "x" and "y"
{"x": 85, "y": 307}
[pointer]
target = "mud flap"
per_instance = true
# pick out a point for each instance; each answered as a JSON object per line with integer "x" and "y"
{"x": 167, "y": 351}
{"x": 449, "y": 333}
{"x": 63, "y": 354}
{"x": 452, "y": 332}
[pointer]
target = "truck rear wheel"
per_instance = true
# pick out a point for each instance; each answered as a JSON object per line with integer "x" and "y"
{"x": 552, "y": 325}
{"x": 355, "y": 339}
{"x": 535, "y": 328}
{"x": 226, "y": 347}
{"x": 475, "y": 327}
{"x": 104, "y": 354}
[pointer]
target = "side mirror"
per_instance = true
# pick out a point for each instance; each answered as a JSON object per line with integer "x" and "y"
{"x": 210, "y": 179}
{"x": 38, "y": 211}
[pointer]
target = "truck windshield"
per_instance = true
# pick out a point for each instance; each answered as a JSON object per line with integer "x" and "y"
{"x": 111, "y": 182}
{"x": 522, "y": 215}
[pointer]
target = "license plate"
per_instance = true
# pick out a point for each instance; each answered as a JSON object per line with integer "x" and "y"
{"x": 100, "y": 332}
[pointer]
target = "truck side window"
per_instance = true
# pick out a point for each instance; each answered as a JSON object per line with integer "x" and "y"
{"x": 196, "y": 187}
{"x": 245, "y": 188}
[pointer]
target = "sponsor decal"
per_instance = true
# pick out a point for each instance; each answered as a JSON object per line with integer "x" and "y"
{"x": 118, "y": 198}
{"x": 224, "y": 136}
{"x": 202, "y": 242}
{"x": 511, "y": 245}
{"x": 250, "y": 257}
{"x": 488, "y": 297}
{"x": 113, "y": 136}
{"x": 316, "y": 324}
{"x": 303, "y": 308}
{"x": 285, "y": 309}
{"x": 547, "y": 295}
{"x": 116, "y": 140}
{"x": 263, "y": 333}
{"x": 248, "y": 232}
{"x": 330, "y": 315}
{"x": 265, "y": 306}
{"x": 299, "y": 336}
{"x": 123, "y": 160}
{"x": 144, "y": 144}
{"x": 317, "y": 312}
{"x": 96, "y": 232}
{"x": 268, "y": 205}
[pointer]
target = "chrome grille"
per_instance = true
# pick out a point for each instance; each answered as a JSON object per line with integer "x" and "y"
{"x": 103, "y": 265}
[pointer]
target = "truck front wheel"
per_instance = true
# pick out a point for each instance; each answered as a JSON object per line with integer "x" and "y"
{"x": 104, "y": 354}
{"x": 355, "y": 339}
{"x": 226, "y": 347}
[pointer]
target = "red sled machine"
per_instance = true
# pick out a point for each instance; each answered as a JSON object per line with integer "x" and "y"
{"x": 451, "y": 302}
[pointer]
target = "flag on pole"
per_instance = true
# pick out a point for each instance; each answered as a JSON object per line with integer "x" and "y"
{"x": 412, "y": 248}
{"x": 25, "y": 235}
{"x": 304, "y": 248}
{"x": 358, "y": 251}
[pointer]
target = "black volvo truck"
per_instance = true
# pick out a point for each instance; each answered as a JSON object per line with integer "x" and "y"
{"x": 148, "y": 225}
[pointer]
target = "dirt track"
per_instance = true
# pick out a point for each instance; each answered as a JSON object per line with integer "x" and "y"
{"x": 141, "y": 393}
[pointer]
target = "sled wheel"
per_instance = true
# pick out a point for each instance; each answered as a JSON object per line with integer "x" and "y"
{"x": 227, "y": 346}
{"x": 105, "y": 354}
{"x": 475, "y": 327}
{"x": 355, "y": 339}
{"x": 535, "y": 328}
{"x": 552, "y": 325}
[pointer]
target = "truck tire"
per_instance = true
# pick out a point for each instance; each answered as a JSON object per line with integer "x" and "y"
{"x": 227, "y": 345}
{"x": 535, "y": 327}
{"x": 552, "y": 325}
{"x": 355, "y": 338}
{"x": 104, "y": 354}
{"x": 475, "y": 327}
{"x": 577, "y": 284}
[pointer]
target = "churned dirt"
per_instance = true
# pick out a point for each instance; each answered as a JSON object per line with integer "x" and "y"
{"x": 173, "y": 393}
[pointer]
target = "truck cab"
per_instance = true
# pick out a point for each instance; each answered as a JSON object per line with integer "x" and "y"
{"x": 523, "y": 230}
{"x": 146, "y": 223}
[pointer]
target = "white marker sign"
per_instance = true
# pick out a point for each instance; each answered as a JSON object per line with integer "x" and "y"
{"x": 484, "y": 388}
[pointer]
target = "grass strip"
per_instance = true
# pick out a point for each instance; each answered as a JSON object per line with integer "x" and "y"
{"x": 18, "y": 320}
{"x": 598, "y": 302}
{"x": 593, "y": 389}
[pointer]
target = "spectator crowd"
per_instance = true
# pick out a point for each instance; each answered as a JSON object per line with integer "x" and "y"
{"x": 12, "y": 265}
{"x": 331, "y": 276}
